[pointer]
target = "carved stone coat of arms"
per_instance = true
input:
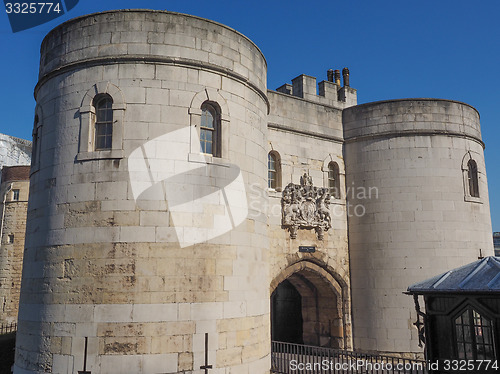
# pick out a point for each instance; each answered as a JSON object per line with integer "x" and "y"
{"x": 305, "y": 207}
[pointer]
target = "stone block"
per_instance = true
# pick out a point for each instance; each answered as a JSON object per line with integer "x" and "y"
{"x": 116, "y": 364}
{"x": 64, "y": 329}
{"x": 158, "y": 96}
{"x": 185, "y": 360}
{"x": 63, "y": 363}
{"x": 206, "y": 311}
{"x": 148, "y": 113}
{"x": 161, "y": 363}
{"x": 113, "y": 313}
{"x": 154, "y": 313}
{"x": 137, "y": 234}
{"x": 234, "y": 309}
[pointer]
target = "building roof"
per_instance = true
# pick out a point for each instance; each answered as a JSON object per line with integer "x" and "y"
{"x": 478, "y": 277}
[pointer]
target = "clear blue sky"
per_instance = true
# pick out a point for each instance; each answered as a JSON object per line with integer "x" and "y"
{"x": 394, "y": 49}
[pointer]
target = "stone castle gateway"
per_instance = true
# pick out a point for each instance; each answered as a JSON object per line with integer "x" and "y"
{"x": 172, "y": 195}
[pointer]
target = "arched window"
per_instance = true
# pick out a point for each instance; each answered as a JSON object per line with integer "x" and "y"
{"x": 210, "y": 130}
{"x": 101, "y": 123}
{"x": 274, "y": 171}
{"x": 473, "y": 178}
{"x": 103, "y": 105}
{"x": 271, "y": 170}
{"x": 474, "y": 336}
{"x": 334, "y": 180}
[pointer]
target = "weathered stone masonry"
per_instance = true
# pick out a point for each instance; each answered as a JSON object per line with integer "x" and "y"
{"x": 147, "y": 244}
{"x": 14, "y": 192}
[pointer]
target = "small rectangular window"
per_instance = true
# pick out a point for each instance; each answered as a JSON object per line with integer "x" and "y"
{"x": 15, "y": 195}
{"x": 10, "y": 238}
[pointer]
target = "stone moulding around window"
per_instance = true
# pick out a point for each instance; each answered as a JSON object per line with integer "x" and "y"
{"x": 465, "y": 175}
{"x": 86, "y": 146}
{"x": 332, "y": 158}
{"x": 284, "y": 166}
{"x": 471, "y": 199}
{"x": 195, "y": 155}
{"x": 277, "y": 170}
{"x": 208, "y": 159}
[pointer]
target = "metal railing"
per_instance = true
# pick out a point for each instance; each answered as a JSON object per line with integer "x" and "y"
{"x": 288, "y": 358}
{"x": 6, "y": 328}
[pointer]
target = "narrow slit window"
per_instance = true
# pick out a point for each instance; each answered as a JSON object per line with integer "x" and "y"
{"x": 334, "y": 180}
{"x": 15, "y": 195}
{"x": 271, "y": 171}
{"x": 473, "y": 178}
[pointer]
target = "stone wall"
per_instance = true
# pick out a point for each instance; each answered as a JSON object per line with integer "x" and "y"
{"x": 14, "y": 192}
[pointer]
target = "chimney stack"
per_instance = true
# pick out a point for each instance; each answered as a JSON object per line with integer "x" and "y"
{"x": 345, "y": 75}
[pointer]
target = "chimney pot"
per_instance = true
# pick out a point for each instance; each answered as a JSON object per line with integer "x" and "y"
{"x": 329, "y": 75}
{"x": 345, "y": 75}
{"x": 337, "y": 78}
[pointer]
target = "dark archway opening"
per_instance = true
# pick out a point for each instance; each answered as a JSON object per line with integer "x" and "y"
{"x": 286, "y": 314}
{"x": 305, "y": 309}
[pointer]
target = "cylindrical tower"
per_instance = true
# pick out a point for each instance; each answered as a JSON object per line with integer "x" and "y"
{"x": 418, "y": 206}
{"x": 141, "y": 243}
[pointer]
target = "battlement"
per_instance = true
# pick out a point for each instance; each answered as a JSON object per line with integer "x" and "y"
{"x": 329, "y": 92}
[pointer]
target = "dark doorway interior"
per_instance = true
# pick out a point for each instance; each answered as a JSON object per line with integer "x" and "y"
{"x": 305, "y": 310}
{"x": 286, "y": 314}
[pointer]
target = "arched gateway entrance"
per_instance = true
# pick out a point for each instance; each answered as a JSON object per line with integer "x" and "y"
{"x": 308, "y": 307}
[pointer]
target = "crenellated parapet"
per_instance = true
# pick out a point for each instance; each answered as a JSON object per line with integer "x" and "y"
{"x": 328, "y": 92}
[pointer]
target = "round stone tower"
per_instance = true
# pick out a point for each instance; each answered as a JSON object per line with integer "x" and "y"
{"x": 418, "y": 200}
{"x": 143, "y": 254}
